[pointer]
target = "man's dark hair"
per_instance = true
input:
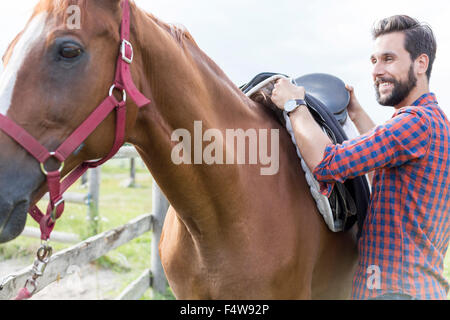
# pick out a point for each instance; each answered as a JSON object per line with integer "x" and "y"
{"x": 419, "y": 38}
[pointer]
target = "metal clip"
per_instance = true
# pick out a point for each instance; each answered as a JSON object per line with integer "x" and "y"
{"x": 40, "y": 263}
{"x": 44, "y": 252}
{"x": 42, "y": 258}
{"x": 39, "y": 267}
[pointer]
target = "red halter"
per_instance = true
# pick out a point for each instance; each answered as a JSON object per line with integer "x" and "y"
{"x": 124, "y": 82}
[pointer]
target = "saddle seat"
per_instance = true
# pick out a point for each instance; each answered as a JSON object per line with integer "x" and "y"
{"x": 327, "y": 99}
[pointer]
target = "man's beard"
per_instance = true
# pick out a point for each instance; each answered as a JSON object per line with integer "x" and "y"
{"x": 400, "y": 90}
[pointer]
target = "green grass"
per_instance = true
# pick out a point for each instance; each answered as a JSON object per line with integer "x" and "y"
{"x": 118, "y": 205}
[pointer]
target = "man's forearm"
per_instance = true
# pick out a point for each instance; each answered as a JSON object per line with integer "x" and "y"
{"x": 362, "y": 121}
{"x": 311, "y": 139}
{"x": 364, "y": 124}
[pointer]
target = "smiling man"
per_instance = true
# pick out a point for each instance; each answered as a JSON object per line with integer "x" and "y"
{"x": 406, "y": 232}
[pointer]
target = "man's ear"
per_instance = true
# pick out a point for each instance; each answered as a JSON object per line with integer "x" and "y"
{"x": 422, "y": 63}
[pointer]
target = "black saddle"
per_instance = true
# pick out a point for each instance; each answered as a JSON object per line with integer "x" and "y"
{"x": 328, "y": 89}
{"x": 327, "y": 99}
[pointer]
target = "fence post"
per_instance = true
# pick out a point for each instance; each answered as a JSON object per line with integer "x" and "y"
{"x": 93, "y": 201}
{"x": 84, "y": 180}
{"x": 160, "y": 206}
{"x": 132, "y": 173}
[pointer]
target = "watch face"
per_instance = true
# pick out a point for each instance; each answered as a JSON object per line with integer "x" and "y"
{"x": 290, "y": 106}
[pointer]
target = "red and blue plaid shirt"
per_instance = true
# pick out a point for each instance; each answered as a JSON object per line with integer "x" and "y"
{"x": 406, "y": 232}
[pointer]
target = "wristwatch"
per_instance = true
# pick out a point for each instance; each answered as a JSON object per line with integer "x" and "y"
{"x": 292, "y": 105}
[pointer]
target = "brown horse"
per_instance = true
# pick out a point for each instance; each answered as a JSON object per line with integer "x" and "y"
{"x": 231, "y": 232}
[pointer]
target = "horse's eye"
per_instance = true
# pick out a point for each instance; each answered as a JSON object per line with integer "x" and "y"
{"x": 70, "y": 51}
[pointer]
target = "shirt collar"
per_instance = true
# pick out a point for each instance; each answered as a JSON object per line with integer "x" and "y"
{"x": 427, "y": 98}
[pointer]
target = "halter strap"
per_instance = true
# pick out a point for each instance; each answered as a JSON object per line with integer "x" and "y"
{"x": 124, "y": 82}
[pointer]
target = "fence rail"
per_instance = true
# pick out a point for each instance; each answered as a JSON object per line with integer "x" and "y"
{"x": 78, "y": 255}
{"x": 56, "y": 236}
{"x": 138, "y": 287}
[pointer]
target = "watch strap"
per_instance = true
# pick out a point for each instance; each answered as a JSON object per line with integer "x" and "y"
{"x": 299, "y": 102}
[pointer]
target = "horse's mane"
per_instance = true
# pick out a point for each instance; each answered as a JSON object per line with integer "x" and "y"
{"x": 178, "y": 32}
{"x": 261, "y": 97}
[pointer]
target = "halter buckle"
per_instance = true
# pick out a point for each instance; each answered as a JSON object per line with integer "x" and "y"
{"x": 55, "y": 208}
{"x": 123, "y": 50}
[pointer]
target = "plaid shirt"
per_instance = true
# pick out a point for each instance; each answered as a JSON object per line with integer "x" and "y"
{"x": 406, "y": 232}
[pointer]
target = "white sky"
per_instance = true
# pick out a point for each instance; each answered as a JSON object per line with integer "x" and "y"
{"x": 295, "y": 37}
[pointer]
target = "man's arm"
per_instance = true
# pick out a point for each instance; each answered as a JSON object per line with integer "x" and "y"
{"x": 309, "y": 135}
{"x": 360, "y": 118}
{"x": 401, "y": 139}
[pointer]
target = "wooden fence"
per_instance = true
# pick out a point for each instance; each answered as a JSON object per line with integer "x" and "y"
{"x": 95, "y": 247}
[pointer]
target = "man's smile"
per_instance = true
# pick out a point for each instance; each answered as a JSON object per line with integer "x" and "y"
{"x": 384, "y": 85}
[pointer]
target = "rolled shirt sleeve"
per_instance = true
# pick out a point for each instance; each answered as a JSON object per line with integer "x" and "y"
{"x": 403, "y": 138}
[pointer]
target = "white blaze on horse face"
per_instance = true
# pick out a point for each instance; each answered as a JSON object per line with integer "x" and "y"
{"x": 26, "y": 42}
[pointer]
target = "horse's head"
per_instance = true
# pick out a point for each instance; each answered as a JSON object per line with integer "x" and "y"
{"x": 54, "y": 76}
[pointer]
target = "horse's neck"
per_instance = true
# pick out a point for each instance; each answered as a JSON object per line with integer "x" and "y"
{"x": 185, "y": 87}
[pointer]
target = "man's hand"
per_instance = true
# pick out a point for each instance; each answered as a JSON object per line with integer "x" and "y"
{"x": 284, "y": 91}
{"x": 354, "y": 108}
{"x": 357, "y": 114}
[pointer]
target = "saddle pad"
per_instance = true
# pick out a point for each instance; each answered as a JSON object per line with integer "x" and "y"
{"x": 357, "y": 187}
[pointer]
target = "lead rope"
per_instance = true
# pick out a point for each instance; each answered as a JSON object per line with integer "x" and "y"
{"x": 40, "y": 263}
